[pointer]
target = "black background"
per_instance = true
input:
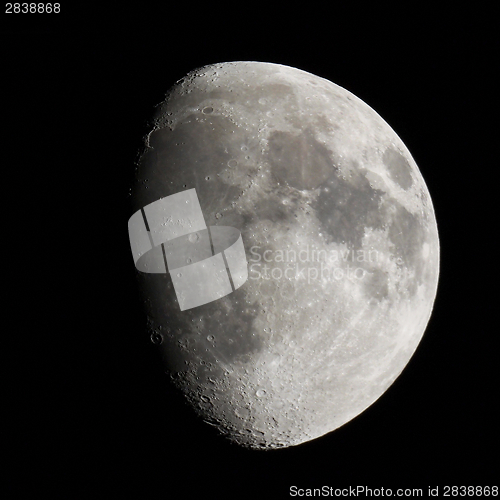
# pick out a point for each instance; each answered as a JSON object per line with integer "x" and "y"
{"x": 90, "y": 412}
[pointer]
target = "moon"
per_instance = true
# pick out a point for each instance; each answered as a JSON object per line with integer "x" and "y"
{"x": 340, "y": 238}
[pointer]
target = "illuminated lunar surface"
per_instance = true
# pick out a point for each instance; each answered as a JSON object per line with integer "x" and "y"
{"x": 329, "y": 199}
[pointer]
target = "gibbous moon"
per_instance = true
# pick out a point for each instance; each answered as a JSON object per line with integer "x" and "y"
{"x": 338, "y": 233}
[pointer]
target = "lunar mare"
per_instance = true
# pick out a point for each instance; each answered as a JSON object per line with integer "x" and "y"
{"x": 341, "y": 244}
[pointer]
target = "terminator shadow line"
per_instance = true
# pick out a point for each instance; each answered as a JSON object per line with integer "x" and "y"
{"x": 170, "y": 235}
